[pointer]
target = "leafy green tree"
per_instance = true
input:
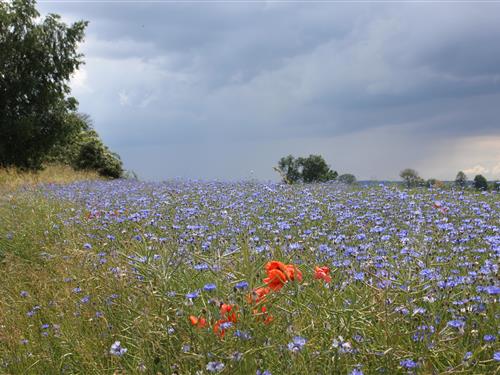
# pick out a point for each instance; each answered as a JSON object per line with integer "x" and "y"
{"x": 480, "y": 182}
{"x": 461, "y": 179}
{"x": 347, "y": 178}
{"x": 37, "y": 58}
{"x": 411, "y": 177}
{"x": 288, "y": 168}
{"x": 315, "y": 169}
{"x": 310, "y": 169}
{"x": 85, "y": 150}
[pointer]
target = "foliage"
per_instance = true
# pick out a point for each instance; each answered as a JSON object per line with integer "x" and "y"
{"x": 480, "y": 182}
{"x": 310, "y": 169}
{"x": 411, "y": 178}
{"x": 129, "y": 277}
{"x": 461, "y": 179}
{"x": 347, "y": 178}
{"x": 86, "y": 151}
{"x": 315, "y": 169}
{"x": 289, "y": 169}
{"x": 36, "y": 62}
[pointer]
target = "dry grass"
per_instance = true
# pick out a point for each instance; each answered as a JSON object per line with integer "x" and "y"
{"x": 11, "y": 178}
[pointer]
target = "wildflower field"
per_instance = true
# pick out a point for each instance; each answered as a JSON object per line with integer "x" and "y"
{"x": 181, "y": 277}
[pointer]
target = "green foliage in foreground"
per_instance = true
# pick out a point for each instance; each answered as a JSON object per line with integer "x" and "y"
{"x": 91, "y": 273}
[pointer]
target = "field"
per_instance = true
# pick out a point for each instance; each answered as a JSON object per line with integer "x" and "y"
{"x": 182, "y": 277}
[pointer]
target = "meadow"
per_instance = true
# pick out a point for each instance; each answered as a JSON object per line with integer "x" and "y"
{"x": 189, "y": 277}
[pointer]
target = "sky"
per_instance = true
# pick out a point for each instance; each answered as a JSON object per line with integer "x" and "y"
{"x": 222, "y": 90}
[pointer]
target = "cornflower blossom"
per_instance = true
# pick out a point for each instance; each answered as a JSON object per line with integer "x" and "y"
{"x": 117, "y": 350}
{"x": 297, "y": 344}
{"x": 215, "y": 366}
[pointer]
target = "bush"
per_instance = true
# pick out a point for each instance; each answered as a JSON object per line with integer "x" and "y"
{"x": 85, "y": 150}
{"x": 347, "y": 178}
{"x": 480, "y": 182}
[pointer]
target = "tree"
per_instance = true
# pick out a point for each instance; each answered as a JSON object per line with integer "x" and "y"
{"x": 85, "y": 150}
{"x": 411, "y": 177}
{"x": 288, "y": 168}
{"x": 461, "y": 179}
{"x": 347, "y": 178}
{"x": 310, "y": 169}
{"x": 480, "y": 182}
{"x": 315, "y": 169}
{"x": 37, "y": 60}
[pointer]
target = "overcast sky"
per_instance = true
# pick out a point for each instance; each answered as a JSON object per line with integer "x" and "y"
{"x": 223, "y": 90}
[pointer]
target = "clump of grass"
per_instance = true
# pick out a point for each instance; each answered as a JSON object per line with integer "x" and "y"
{"x": 11, "y": 178}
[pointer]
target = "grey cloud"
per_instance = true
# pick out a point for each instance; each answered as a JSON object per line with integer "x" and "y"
{"x": 210, "y": 78}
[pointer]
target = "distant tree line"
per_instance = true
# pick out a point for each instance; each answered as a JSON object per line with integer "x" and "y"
{"x": 412, "y": 179}
{"x": 39, "y": 121}
{"x": 309, "y": 169}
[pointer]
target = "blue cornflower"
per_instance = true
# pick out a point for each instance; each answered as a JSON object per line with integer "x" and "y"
{"x": 489, "y": 338}
{"x": 201, "y": 267}
{"x": 209, "y": 287}
{"x": 456, "y": 323}
{"x": 24, "y": 293}
{"x": 192, "y": 295}
{"x": 297, "y": 344}
{"x": 359, "y": 276}
{"x": 265, "y": 372}
{"x": 492, "y": 290}
{"x": 87, "y": 246}
{"x": 408, "y": 363}
{"x": 241, "y": 285}
{"x": 467, "y": 356}
{"x": 242, "y": 335}
{"x": 45, "y": 326}
{"x": 226, "y": 325}
{"x": 85, "y": 300}
{"x": 117, "y": 349}
{"x": 356, "y": 371}
{"x": 496, "y": 356}
{"x": 215, "y": 366}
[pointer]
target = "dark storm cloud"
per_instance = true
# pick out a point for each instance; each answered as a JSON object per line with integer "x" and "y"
{"x": 189, "y": 76}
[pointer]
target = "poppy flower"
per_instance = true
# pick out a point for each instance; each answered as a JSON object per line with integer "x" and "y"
{"x": 293, "y": 273}
{"x": 198, "y": 322}
{"x": 276, "y": 279}
{"x": 264, "y": 314}
{"x": 228, "y": 312}
{"x": 289, "y": 270}
{"x": 258, "y": 295}
{"x": 322, "y": 273}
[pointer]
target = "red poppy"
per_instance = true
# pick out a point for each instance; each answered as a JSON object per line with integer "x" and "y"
{"x": 289, "y": 270}
{"x": 322, "y": 273}
{"x": 276, "y": 279}
{"x": 198, "y": 322}
{"x": 264, "y": 315}
{"x": 258, "y": 295}
{"x": 228, "y": 311}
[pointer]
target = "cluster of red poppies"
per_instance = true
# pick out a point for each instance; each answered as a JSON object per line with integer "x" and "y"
{"x": 278, "y": 274}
